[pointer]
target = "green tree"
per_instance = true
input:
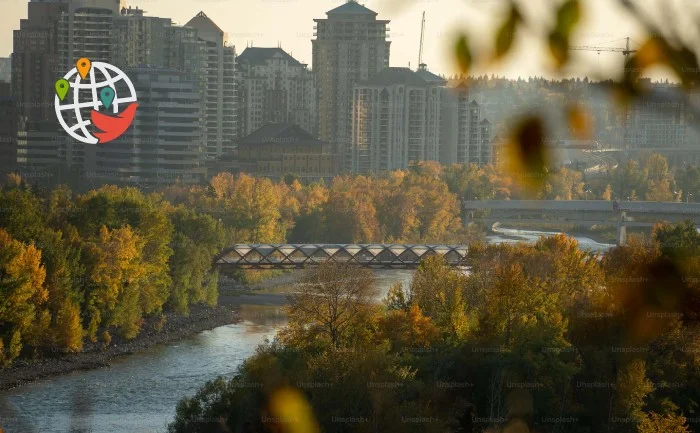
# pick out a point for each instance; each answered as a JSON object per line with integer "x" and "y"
{"x": 197, "y": 239}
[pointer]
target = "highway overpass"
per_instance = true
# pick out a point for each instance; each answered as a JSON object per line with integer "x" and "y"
{"x": 581, "y": 212}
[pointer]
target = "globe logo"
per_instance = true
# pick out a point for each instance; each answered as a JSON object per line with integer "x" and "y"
{"x": 88, "y": 100}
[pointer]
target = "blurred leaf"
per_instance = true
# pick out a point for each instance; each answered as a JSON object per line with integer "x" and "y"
{"x": 651, "y": 52}
{"x": 526, "y": 154}
{"x": 463, "y": 54}
{"x": 506, "y": 33}
{"x": 568, "y": 16}
{"x": 685, "y": 63}
{"x": 579, "y": 121}
{"x": 559, "y": 47}
{"x": 656, "y": 50}
{"x": 291, "y": 412}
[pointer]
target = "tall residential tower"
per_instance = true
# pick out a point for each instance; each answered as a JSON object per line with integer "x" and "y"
{"x": 350, "y": 47}
{"x": 219, "y": 94}
{"x": 274, "y": 87}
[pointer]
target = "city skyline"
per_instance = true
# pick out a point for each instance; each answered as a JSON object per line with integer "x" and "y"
{"x": 289, "y": 24}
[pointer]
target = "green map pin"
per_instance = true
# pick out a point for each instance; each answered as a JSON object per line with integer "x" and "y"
{"x": 62, "y": 86}
{"x": 107, "y": 96}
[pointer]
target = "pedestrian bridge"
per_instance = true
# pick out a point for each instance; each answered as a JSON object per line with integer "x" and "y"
{"x": 293, "y": 256}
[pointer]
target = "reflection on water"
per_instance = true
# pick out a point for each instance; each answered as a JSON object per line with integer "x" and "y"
{"x": 139, "y": 393}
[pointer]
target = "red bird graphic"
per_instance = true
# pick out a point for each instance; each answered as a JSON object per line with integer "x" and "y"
{"x": 113, "y": 126}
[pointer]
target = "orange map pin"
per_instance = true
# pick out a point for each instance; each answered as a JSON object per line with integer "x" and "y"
{"x": 83, "y": 66}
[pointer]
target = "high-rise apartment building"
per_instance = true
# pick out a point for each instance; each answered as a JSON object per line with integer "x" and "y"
{"x": 274, "y": 87}
{"x": 164, "y": 144}
{"x": 351, "y": 46}
{"x": 140, "y": 40}
{"x": 8, "y": 130}
{"x": 58, "y": 33}
{"x": 219, "y": 93}
{"x": 658, "y": 122}
{"x": 465, "y": 134}
{"x": 35, "y": 60}
{"x": 35, "y": 65}
{"x": 396, "y": 120}
{"x": 86, "y": 29}
{"x": 5, "y": 69}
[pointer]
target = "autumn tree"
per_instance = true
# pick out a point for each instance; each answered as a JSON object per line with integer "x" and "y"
{"x": 437, "y": 290}
{"x": 331, "y": 303}
{"x": 23, "y": 317}
{"x": 350, "y": 213}
{"x": 252, "y": 207}
{"x": 117, "y": 278}
{"x": 660, "y": 423}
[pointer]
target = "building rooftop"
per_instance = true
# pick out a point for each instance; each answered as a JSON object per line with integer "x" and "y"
{"x": 202, "y": 22}
{"x": 280, "y": 133}
{"x": 428, "y": 76}
{"x": 259, "y": 55}
{"x": 351, "y": 7}
{"x": 393, "y": 75}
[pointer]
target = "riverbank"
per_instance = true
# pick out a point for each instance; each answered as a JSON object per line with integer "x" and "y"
{"x": 176, "y": 327}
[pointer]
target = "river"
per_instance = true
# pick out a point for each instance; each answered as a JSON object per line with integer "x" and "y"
{"x": 139, "y": 393}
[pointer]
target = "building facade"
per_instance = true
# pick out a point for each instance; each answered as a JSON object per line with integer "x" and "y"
{"x": 279, "y": 149}
{"x": 57, "y": 33}
{"x": 396, "y": 120}
{"x": 86, "y": 29}
{"x": 35, "y": 60}
{"x": 661, "y": 122}
{"x": 5, "y": 69}
{"x": 164, "y": 143}
{"x": 465, "y": 134}
{"x": 8, "y": 130}
{"x": 219, "y": 116}
{"x": 351, "y": 46}
{"x": 273, "y": 87}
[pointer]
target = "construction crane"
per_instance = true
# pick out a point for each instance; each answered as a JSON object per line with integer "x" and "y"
{"x": 420, "y": 50}
{"x": 625, "y": 51}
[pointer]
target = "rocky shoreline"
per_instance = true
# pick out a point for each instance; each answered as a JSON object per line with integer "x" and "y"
{"x": 176, "y": 327}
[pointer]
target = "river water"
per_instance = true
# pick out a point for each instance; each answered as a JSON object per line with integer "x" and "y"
{"x": 139, "y": 393}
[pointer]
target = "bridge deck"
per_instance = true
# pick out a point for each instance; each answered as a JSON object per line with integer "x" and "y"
{"x": 283, "y": 256}
{"x": 640, "y": 207}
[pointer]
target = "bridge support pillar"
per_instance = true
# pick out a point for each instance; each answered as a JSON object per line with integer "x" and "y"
{"x": 622, "y": 229}
{"x": 468, "y": 217}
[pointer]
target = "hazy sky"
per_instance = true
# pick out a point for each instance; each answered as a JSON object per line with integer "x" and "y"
{"x": 290, "y": 22}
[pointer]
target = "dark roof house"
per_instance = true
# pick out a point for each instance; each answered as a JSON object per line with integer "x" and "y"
{"x": 282, "y": 133}
{"x": 352, "y": 7}
{"x": 394, "y": 75}
{"x": 203, "y": 23}
{"x": 259, "y": 55}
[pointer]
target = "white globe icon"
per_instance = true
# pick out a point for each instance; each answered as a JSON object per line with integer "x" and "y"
{"x": 84, "y": 95}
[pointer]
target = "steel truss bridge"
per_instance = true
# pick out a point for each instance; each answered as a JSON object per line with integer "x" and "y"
{"x": 294, "y": 256}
